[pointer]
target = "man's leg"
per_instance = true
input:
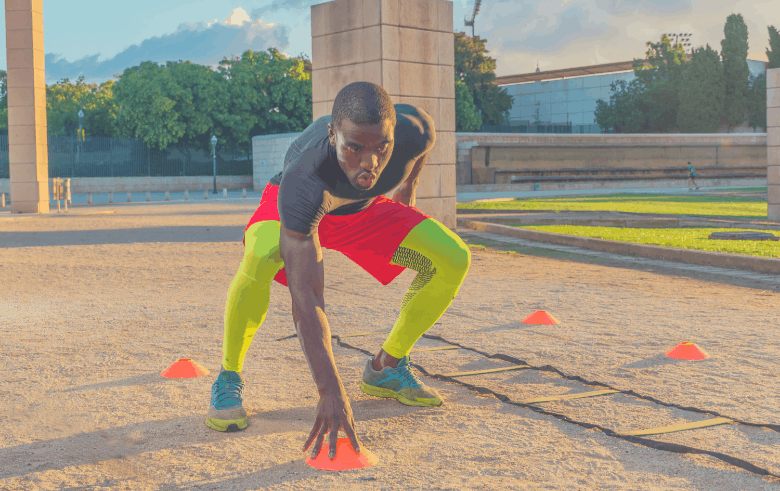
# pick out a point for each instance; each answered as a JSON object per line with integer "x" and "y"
{"x": 441, "y": 260}
{"x": 247, "y": 304}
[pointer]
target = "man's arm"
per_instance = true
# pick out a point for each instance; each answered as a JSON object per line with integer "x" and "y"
{"x": 306, "y": 279}
{"x": 405, "y": 192}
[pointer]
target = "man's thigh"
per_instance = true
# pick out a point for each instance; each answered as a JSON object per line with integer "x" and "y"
{"x": 262, "y": 256}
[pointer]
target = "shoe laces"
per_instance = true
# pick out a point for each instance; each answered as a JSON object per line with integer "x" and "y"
{"x": 408, "y": 376}
{"x": 228, "y": 393}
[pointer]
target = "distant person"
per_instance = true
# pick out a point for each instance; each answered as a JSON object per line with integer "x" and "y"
{"x": 691, "y": 177}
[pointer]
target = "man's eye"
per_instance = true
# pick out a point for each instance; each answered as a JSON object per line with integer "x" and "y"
{"x": 384, "y": 147}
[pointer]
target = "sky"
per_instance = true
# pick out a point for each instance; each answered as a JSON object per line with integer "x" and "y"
{"x": 99, "y": 39}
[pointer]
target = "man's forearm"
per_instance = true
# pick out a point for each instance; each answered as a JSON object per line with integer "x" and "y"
{"x": 406, "y": 195}
{"x": 314, "y": 336}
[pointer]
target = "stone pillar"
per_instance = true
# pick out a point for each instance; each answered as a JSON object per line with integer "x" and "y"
{"x": 27, "y": 143}
{"x": 773, "y": 143}
{"x": 407, "y": 47}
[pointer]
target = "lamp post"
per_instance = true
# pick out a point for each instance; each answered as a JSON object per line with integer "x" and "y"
{"x": 214, "y": 150}
{"x": 78, "y": 142}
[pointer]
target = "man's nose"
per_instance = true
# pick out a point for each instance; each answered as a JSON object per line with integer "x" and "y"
{"x": 370, "y": 162}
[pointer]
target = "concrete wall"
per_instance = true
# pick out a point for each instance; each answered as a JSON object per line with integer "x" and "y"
{"x": 268, "y": 156}
{"x": 80, "y": 185}
{"x": 773, "y": 142}
{"x": 407, "y": 47}
{"x": 479, "y": 154}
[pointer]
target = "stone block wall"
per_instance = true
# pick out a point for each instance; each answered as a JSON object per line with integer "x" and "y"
{"x": 773, "y": 142}
{"x": 480, "y": 154}
{"x": 26, "y": 78}
{"x": 268, "y": 156}
{"x": 407, "y": 47}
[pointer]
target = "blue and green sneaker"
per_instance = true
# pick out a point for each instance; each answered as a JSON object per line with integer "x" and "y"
{"x": 225, "y": 411}
{"x": 399, "y": 383}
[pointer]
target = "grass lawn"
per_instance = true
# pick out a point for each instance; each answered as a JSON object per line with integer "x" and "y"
{"x": 681, "y": 238}
{"x": 720, "y": 206}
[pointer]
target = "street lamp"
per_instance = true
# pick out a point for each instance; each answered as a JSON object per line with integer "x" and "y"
{"x": 78, "y": 143}
{"x": 214, "y": 150}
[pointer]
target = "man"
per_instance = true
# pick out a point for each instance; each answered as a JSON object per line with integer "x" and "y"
{"x": 692, "y": 177}
{"x": 330, "y": 194}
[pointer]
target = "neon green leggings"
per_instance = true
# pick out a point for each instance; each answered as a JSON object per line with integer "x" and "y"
{"x": 440, "y": 258}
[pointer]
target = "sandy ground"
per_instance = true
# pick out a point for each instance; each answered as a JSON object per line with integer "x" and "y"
{"x": 93, "y": 307}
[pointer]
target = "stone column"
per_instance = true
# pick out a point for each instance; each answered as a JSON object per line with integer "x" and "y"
{"x": 773, "y": 143}
{"x": 407, "y": 47}
{"x": 27, "y": 144}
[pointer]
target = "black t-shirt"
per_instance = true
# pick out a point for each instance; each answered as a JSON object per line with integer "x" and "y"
{"x": 313, "y": 185}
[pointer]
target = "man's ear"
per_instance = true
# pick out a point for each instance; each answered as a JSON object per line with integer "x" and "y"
{"x": 331, "y": 134}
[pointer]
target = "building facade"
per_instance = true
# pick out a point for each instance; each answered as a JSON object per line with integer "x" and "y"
{"x": 564, "y": 101}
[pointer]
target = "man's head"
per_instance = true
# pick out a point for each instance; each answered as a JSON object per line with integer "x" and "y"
{"x": 361, "y": 130}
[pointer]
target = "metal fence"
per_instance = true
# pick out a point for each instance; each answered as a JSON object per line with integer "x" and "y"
{"x": 543, "y": 128}
{"x": 130, "y": 157}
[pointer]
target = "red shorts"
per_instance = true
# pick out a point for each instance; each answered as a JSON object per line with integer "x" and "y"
{"x": 369, "y": 238}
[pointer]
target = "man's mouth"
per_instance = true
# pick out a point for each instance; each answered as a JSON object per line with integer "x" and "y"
{"x": 366, "y": 179}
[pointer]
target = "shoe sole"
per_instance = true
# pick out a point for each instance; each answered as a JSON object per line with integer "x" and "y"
{"x": 373, "y": 390}
{"x": 227, "y": 425}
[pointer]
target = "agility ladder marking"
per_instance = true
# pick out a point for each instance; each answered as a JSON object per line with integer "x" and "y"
{"x": 568, "y": 397}
{"x": 681, "y": 427}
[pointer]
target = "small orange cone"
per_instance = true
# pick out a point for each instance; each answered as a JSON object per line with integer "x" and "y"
{"x": 687, "y": 351}
{"x": 540, "y": 317}
{"x": 184, "y": 368}
{"x": 346, "y": 458}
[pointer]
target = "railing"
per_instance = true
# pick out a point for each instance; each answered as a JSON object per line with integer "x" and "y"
{"x": 130, "y": 157}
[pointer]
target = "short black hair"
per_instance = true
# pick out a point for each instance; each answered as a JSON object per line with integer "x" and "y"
{"x": 363, "y": 103}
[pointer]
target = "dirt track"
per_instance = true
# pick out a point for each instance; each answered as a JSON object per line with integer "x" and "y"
{"x": 93, "y": 307}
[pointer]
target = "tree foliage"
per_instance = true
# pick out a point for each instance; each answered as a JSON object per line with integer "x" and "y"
{"x": 773, "y": 52}
{"x": 266, "y": 93}
{"x": 477, "y": 71}
{"x": 757, "y": 102}
{"x": 3, "y": 102}
{"x": 659, "y": 78}
{"x": 64, "y": 100}
{"x": 734, "y": 50}
{"x": 466, "y": 116}
{"x": 622, "y": 114}
{"x": 701, "y": 93}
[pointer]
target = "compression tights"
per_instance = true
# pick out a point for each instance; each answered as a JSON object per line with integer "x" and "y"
{"x": 440, "y": 258}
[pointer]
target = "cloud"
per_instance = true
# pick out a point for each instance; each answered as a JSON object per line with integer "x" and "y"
{"x": 202, "y": 43}
{"x": 284, "y": 5}
{"x": 548, "y": 29}
{"x": 617, "y": 7}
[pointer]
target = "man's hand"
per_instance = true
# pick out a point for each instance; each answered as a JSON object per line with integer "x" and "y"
{"x": 333, "y": 413}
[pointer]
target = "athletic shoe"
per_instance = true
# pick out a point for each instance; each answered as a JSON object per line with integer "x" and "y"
{"x": 399, "y": 383}
{"x": 225, "y": 411}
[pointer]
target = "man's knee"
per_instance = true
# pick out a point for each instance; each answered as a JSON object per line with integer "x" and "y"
{"x": 460, "y": 256}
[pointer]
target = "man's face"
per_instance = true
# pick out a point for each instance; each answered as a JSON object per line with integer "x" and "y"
{"x": 363, "y": 151}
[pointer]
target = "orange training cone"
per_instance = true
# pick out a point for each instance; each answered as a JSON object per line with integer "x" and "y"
{"x": 346, "y": 458}
{"x": 184, "y": 368}
{"x": 687, "y": 351}
{"x": 540, "y": 317}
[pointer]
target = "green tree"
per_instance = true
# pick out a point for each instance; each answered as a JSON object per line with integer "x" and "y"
{"x": 3, "y": 102}
{"x": 757, "y": 102}
{"x": 477, "y": 70}
{"x": 622, "y": 114}
{"x": 702, "y": 93}
{"x": 734, "y": 50}
{"x": 266, "y": 93}
{"x": 466, "y": 116}
{"x": 659, "y": 78}
{"x": 538, "y": 114}
{"x": 64, "y": 99}
{"x": 773, "y": 53}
